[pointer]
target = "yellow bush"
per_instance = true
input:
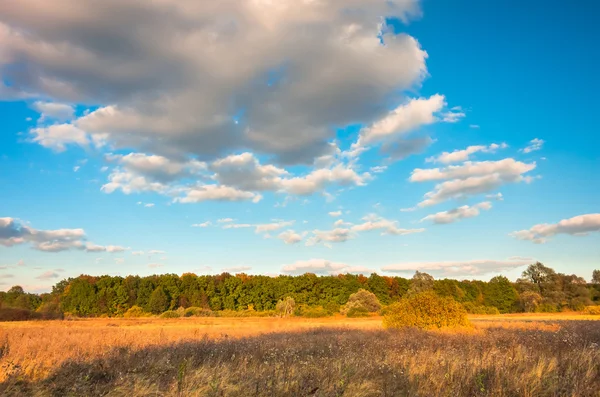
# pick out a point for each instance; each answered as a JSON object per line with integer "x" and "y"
{"x": 593, "y": 310}
{"x": 427, "y": 311}
{"x": 135, "y": 311}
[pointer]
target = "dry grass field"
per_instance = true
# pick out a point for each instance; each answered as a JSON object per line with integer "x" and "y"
{"x": 508, "y": 355}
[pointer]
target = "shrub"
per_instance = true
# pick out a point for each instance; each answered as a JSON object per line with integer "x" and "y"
{"x": 245, "y": 313}
{"x": 362, "y": 299}
{"x": 425, "y": 310}
{"x": 135, "y": 311}
{"x": 357, "y": 311}
{"x": 593, "y": 310}
{"x": 311, "y": 311}
{"x": 472, "y": 308}
{"x": 546, "y": 308}
{"x": 170, "y": 314}
{"x": 198, "y": 312}
{"x": 12, "y": 314}
{"x": 285, "y": 307}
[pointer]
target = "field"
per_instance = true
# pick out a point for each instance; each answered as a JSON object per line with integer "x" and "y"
{"x": 508, "y": 355}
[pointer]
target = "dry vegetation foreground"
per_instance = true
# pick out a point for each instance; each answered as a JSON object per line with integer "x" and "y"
{"x": 502, "y": 356}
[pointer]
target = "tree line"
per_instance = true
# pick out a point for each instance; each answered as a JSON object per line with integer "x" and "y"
{"x": 539, "y": 289}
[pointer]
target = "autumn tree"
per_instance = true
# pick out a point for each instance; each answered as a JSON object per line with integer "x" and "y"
{"x": 420, "y": 282}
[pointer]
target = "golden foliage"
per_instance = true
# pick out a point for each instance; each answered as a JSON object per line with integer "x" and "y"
{"x": 425, "y": 310}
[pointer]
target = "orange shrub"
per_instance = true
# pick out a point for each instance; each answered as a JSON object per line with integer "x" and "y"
{"x": 427, "y": 311}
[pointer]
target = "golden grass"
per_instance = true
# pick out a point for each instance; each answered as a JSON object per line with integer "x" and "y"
{"x": 39, "y": 350}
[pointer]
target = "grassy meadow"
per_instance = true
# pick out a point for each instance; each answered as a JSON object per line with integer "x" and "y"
{"x": 506, "y": 355}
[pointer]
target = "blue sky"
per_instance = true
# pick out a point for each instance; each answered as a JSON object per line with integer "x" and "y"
{"x": 120, "y": 134}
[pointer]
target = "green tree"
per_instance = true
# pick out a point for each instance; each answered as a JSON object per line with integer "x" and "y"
{"x": 159, "y": 301}
{"x": 362, "y": 298}
{"x": 420, "y": 282}
{"x": 596, "y": 277}
{"x": 501, "y": 294}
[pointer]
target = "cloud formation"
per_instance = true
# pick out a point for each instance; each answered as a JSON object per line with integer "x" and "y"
{"x": 272, "y": 77}
{"x": 457, "y": 214}
{"x": 471, "y": 178}
{"x": 579, "y": 225}
{"x": 458, "y": 268}
{"x": 534, "y": 145}
{"x": 13, "y": 232}
{"x": 458, "y": 156}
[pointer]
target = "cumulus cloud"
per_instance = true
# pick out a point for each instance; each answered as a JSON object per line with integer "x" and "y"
{"x": 337, "y": 235}
{"x": 58, "y": 136}
{"x": 269, "y": 227}
{"x": 457, "y": 214}
{"x": 463, "y": 155}
{"x": 579, "y": 225}
{"x": 470, "y": 178}
{"x": 497, "y": 196}
{"x": 317, "y": 266}
{"x": 291, "y": 237}
{"x": 203, "y": 224}
{"x": 534, "y": 144}
{"x": 335, "y": 213}
{"x": 269, "y": 76}
{"x": 54, "y": 110}
{"x": 374, "y": 222}
{"x": 458, "y": 268}
{"x": 216, "y": 193}
{"x": 402, "y": 120}
{"x": 13, "y": 232}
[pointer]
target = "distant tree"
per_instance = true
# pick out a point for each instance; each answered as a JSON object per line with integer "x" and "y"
{"x": 501, "y": 294}
{"x": 596, "y": 277}
{"x": 530, "y": 300}
{"x": 159, "y": 302}
{"x": 420, "y": 282}
{"x": 539, "y": 274}
{"x": 362, "y": 298}
{"x": 285, "y": 307}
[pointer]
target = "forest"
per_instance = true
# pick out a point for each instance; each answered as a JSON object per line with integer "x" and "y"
{"x": 540, "y": 289}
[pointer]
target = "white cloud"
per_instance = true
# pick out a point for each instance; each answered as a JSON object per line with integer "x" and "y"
{"x": 497, "y": 196}
{"x": 237, "y": 226}
{"x": 458, "y": 268}
{"x": 225, "y": 220}
{"x": 269, "y": 227}
{"x": 13, "y": 232}
{"x": 204, "y": 224}
{"x": 137, "y": 253}
{"x": 318, "y": 266}
{"x": 505, "y": 168}
{"x": 216, "y": 193}
{"x": 115, "y": 248}
{"x": 337, "y": 235}
{"x": 156, "y": 252}
{"x": 471, "y": 178}
{"x": 457, "y": 214}
{"x": 579, "y": 225}
{"x": 463, "y": 155}
{"x": 244, "y": 171}
{"x": 374, "y": 222}
{"x": 312, "y": 65}
{"x": 405, "y": 118}
{"x": 149, "y": 205}
{"x": 76, "y": 168}
{"x": 340, "y": 222}
{"x": 157, "y": 168}
{"x": 322, "y": 178}
{"x": 335, "y": 213}
{"x": 53, "y": 110}
{"x": 534, "y": 144}
{"x": 378, "y": 169}
{"x": 48, "y": 275}
{"x": 58, "y": 136}
{"x": 291, "y": 237}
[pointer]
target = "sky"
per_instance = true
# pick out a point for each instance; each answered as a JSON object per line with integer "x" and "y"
{"x": 148, "y": 137}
